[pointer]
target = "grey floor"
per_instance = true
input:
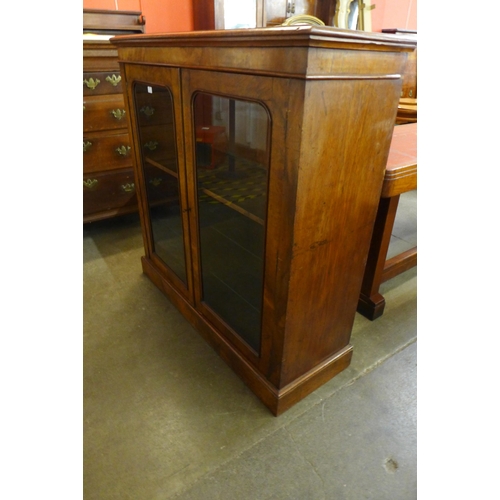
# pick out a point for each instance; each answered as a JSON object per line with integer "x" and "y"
{"x": 165, "y": 418}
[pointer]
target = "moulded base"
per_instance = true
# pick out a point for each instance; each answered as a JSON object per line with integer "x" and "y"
{"x": 277, "y": 400}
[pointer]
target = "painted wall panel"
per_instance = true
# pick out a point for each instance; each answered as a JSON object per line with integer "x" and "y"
{"x": 394, "y": 14}
{"x": 161, "y": 15}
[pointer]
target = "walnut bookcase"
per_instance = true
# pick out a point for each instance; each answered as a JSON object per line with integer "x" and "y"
{"x": 261, "y": 237}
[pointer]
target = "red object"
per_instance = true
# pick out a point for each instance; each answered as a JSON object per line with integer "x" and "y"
{"x": 215, "y": 136}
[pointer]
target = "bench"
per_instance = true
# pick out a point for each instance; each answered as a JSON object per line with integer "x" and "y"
{"x": 400, "y": 177}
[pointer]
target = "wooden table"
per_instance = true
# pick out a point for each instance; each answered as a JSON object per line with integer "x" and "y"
{"x": 400, "y": 177}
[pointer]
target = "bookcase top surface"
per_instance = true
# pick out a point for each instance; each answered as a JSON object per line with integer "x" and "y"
{"x": 302, "y": 35}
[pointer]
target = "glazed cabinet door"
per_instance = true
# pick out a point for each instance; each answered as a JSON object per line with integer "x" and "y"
{"x": 154, "y": 101}
{"x": 228, "y": 122}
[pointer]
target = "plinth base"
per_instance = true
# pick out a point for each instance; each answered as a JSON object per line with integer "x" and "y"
{"x": 278, "y": 400}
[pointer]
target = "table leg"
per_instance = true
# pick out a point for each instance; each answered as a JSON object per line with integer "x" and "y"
{"x": 371, "y": 303}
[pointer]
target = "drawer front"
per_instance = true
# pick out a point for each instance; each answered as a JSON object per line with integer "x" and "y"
{"x": 106, "y": 191}
{"x": 106, "y": 152}
{"x": 100, "y": 83}
{"x": 106, "y": 112}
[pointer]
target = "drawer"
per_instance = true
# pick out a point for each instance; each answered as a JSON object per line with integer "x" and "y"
{"x": 99, "y": 56}
{"x": 100, "y": 61}
{"x": 106, "y": 191}
{"x": 100, "y": 83}
{"x": 104, "y": 112}
{"x": 106, "y": 152}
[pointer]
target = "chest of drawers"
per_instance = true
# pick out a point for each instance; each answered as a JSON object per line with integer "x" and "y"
{"x": 108, "y": 178}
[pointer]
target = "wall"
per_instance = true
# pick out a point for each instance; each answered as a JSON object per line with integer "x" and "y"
{"x": 161, "y": 15}
{"x": 394, "y": 14}
{"x": 177, "y": 15}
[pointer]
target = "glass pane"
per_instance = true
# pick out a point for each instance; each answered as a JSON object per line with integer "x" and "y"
{"x": 232, "y": 174}
{"x": 155, "y": 116}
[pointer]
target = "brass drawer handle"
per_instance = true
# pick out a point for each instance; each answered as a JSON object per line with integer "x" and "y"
{"x": 118, "y": 113}
{"x": 123, "y": 150}
{"x": 90, "y": 183}
{"x": 114, "y": 80}
{"x": 156, "y": 181}
{"x": 91, "y": 83}
{"x": 147, "y": 110}
{"x": 86, "y": 146}
{"x": 128, "y": 188}
{"x": 151, "y": 145}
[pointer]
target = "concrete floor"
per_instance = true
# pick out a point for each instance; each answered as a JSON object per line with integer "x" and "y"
{"x": 165, "y": 418}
